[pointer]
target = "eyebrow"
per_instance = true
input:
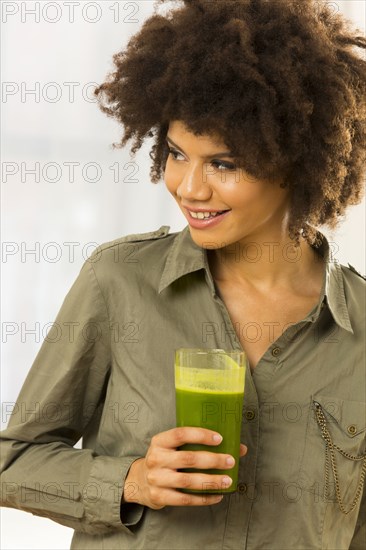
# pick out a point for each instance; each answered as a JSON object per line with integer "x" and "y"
{"x": 222, "y": 154}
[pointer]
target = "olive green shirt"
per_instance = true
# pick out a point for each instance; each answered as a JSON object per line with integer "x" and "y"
{"x": 105, "y": 373}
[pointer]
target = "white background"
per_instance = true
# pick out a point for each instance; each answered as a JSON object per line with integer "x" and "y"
{"x": 56, "y": 126}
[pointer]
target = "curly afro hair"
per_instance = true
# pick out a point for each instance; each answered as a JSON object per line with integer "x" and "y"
{"x": 279, "y": 81}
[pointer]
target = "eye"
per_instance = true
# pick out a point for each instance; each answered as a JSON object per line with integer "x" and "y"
{"x": 221, "y": 165}
{"x": 224, "y": 165}
{"x": 173, "y": 152}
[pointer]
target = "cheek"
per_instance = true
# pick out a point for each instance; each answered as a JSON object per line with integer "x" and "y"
{"x": 256, "y": 196}
{"x": 240, "y": 194}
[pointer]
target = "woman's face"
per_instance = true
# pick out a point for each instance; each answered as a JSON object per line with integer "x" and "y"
{"x": 222, "y": 204}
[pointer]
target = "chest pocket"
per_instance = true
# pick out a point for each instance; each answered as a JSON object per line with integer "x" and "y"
{"x": 334, "y": 461}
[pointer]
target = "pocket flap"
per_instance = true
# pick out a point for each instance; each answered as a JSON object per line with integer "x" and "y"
{"x": 349, "y": 415}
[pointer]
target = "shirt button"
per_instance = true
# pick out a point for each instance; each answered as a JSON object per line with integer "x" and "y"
{"x": 242, "y": 488}
{"x": 276, "y": 352}
{"x": 352, "y": 429}
{"x": 249, "y": 415}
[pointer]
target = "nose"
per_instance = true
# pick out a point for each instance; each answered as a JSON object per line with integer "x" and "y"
{"x": 194, "y": 185}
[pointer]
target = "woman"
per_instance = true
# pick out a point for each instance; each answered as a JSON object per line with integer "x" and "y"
{"x": 258, "y": 114}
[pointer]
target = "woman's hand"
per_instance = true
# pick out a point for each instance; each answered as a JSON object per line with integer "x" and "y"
{"x": 152, "y": 481}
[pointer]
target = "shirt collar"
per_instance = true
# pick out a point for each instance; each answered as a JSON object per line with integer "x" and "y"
{"x": 333, "y": 293}
{"x": 183, "y": 257}
{"x": 186, "y": 257}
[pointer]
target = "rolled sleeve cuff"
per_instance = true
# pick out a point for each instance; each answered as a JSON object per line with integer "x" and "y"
{"x": 103, "y": 492}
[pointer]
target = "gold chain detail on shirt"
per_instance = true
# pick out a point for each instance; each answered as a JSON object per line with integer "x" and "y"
{"x": 329, "y": 453}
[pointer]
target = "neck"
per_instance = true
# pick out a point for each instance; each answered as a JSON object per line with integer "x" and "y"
{"x": 266, "y": 263}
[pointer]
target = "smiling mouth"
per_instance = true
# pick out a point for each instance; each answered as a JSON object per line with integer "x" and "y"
{"x": 205, "y": 215}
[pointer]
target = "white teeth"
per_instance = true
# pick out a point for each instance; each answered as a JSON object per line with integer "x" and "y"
{"x": 203, "y": 215}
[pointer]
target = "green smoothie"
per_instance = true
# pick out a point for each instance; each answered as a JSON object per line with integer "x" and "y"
{"x": 200, "y": 403}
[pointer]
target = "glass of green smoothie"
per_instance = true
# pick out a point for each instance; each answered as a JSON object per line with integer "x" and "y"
{"x": 209, "y": 386}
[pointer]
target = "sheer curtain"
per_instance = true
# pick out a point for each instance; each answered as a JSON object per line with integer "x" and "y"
{"x": 65, "y": 190}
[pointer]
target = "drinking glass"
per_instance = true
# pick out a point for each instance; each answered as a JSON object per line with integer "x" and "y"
{"x": 209, "y": 385}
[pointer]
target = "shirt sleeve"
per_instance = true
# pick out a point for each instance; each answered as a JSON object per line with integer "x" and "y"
{"x": 62, "y": 399}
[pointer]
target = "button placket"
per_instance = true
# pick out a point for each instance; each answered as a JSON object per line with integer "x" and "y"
{"x": 276, "y": 351}
{"x": 242, "y": 488}
{"x": 250, "y": 414}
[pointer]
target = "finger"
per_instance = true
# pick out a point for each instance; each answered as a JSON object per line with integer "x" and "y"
{"x": 200, "y": 460}
{"x": 176, "y": 437}
{"x": 197, "y": 481}
{"x": 243, "y": 450}
{"x": 171, "y": 497}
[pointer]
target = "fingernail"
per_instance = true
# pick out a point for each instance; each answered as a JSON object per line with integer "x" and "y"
{"x": 227, "y": 481}
{"x": 230, "y": 461}
{"x": 217, "y": 438}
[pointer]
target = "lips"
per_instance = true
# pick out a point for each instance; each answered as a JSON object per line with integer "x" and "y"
{"x": 200, "y": 218}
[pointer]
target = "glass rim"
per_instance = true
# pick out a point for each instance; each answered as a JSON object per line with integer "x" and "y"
{"x": 209, "y": 350}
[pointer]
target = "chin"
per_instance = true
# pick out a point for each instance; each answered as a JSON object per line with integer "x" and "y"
{"x": 205, "y": 242}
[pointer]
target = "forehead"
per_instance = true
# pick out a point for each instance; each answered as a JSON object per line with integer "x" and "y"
{"x": 178, "y": 129}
